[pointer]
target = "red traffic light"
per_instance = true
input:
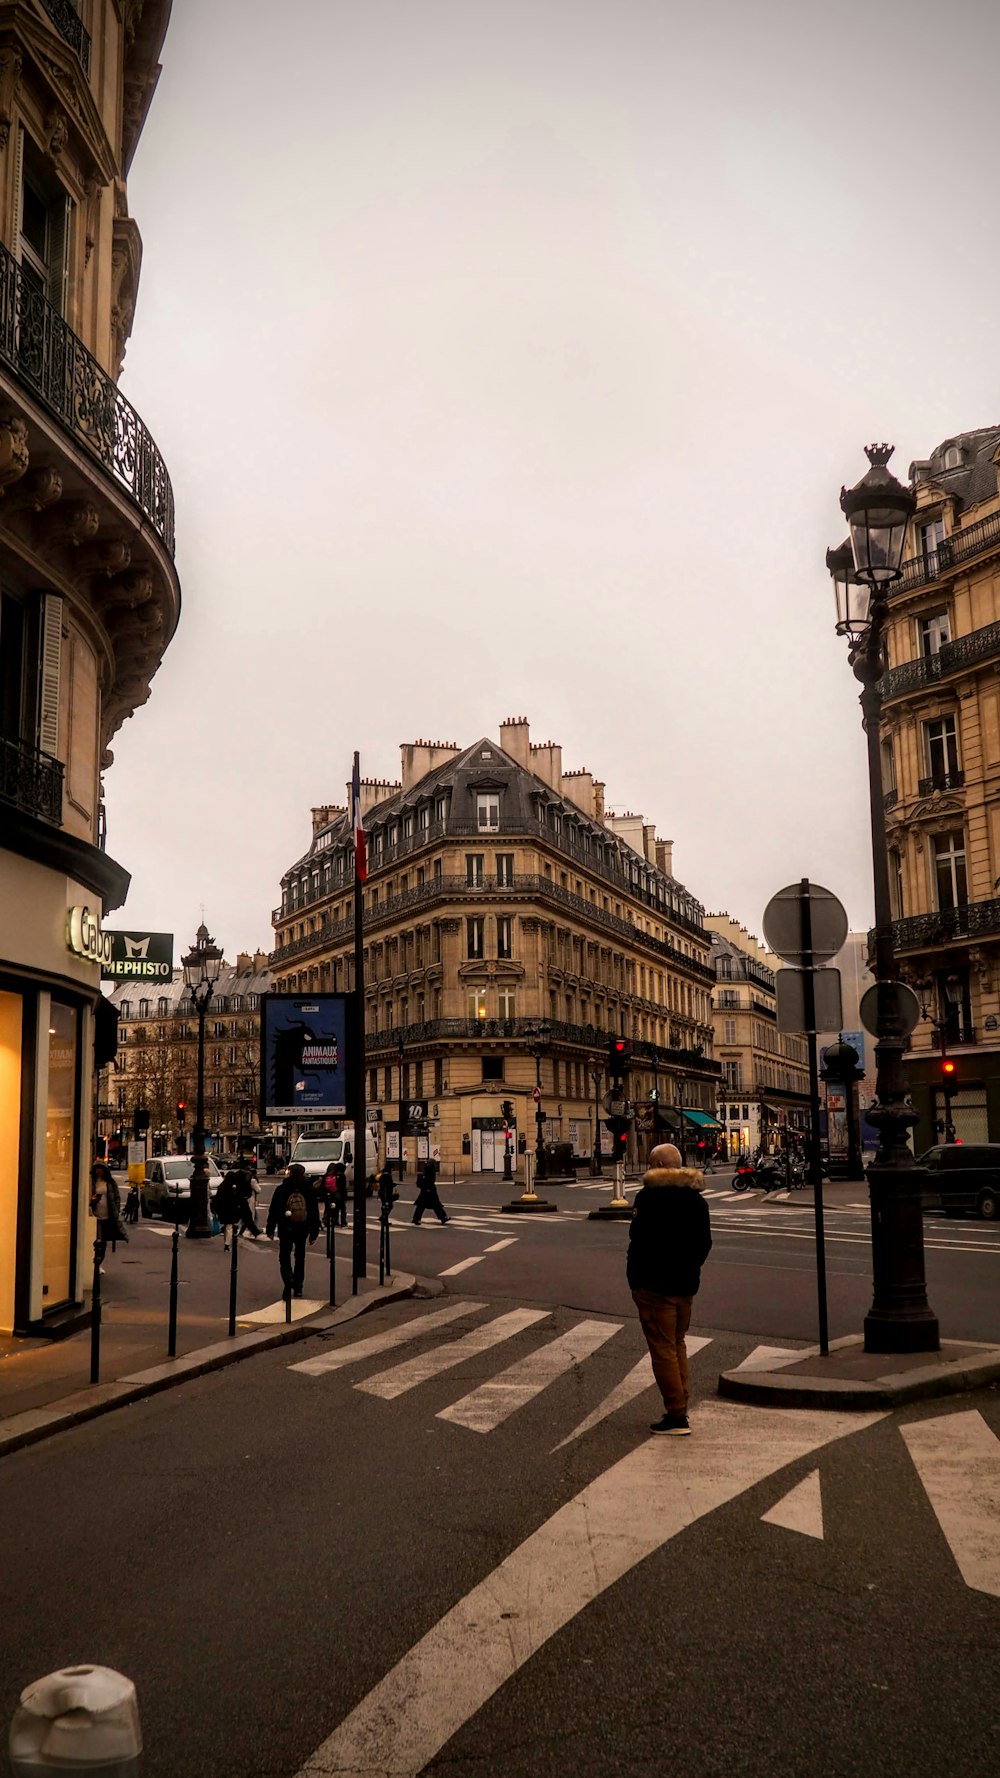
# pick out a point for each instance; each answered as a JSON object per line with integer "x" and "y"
{"x": 181, "y": 1104}
{"x": 947, "y": 1067}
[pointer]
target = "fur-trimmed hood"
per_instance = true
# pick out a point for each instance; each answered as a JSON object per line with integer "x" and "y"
{"x": 688, "y": 1176}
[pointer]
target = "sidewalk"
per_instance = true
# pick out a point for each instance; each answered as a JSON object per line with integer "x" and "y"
{"x": 849, "y": 1377}
{"x": 45, "y": 1384}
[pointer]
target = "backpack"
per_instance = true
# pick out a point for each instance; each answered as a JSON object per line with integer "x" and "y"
{"x": 296, "y": 1208}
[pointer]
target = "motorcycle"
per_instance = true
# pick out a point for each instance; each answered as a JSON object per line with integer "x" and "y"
{"x": 769, "y": 1175}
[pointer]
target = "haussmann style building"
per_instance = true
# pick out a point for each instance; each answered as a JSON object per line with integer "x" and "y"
{"x": 764, "y": 1090}
{"x": 89, "y": 599}
{"x": 511, "y": 926}
{"x": 941, "y": 781}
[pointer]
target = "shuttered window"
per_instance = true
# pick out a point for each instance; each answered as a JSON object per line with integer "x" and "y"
{"x": 50, "y": 668}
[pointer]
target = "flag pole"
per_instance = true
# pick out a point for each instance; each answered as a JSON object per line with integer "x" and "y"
{"x": 359, "y": 1264}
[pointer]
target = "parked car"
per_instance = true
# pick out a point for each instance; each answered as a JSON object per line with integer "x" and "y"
{"x": 963, "y": 1176}
{"x": 167, "y": 1186}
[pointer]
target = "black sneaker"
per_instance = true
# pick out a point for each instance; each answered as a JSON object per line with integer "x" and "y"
{"x": 673, "y": 1423}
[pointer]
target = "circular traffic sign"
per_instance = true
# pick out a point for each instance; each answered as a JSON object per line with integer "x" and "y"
{"x": 889, "y": 1009}
{"x": 787, "y": 914}
{"x": 536, "y": 1093}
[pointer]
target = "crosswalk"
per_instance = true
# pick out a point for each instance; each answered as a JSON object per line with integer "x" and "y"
{"x": 956, "y": 1455}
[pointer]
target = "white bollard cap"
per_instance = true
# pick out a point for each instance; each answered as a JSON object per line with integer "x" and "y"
{"x": 83, "y": 1719}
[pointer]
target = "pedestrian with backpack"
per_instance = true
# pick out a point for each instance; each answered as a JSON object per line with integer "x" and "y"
{"x": 293, "y": 1215}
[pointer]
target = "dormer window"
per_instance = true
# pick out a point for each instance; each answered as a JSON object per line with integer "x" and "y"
{"x": 407, "y": 826}
{"x": 488, "y": 810}
{"x": 424, "y": 817}
{"x": 952, "y": 458}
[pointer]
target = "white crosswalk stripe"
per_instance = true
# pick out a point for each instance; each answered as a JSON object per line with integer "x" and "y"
{"x": 338, "y": 1356}
{"x": 957, "y": 1458}
{"x": 636, "y": 1382}
{"x": 389, "y": 1384}
{"x": 493, "y": 1402}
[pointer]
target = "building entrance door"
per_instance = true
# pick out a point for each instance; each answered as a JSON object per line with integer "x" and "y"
{"x": 488, "y": 1144}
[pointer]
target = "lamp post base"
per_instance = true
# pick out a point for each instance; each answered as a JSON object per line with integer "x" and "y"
{"x": 611, "y": 1213}
{"x": 529, "y": 1205}
{"x": 895, "y": 1332}
{"x": 900, "y": 1318}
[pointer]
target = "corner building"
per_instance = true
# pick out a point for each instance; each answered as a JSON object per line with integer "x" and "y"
{"x": 502, "y": 896}
{"x": 89, "y": 600}
{"x": 940, "y": 742}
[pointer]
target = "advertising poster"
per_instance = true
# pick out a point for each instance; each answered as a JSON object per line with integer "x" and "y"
{"x": 303, "y": 1053}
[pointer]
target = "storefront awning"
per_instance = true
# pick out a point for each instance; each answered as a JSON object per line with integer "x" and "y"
{"x": 701, "y": 1120}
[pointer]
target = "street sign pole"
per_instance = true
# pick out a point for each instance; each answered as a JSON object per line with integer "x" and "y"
{"x": 816, "y": 1158}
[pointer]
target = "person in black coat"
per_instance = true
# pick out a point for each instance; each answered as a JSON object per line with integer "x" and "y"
{"x": 427, "y": 1193}
{"x": 293, "y": 1215}
{"x": 669, "y": 1241}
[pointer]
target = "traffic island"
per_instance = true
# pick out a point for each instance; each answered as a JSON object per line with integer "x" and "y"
{"x": 849, "y": 1377}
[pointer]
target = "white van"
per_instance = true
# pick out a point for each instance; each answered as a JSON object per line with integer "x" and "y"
{"x": 315, "y": 1153}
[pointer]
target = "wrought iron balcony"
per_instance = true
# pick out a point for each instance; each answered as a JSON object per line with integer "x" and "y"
{"x": 47, "y": 357}
{"x": 591, "y": 1037}
{"x": 890, "y": 799}
{"x": 920, "y": 932}
{"x": 951, "y": 657}
{"x": 972, "y": 541}
{"x": 69, "y": 25}
{"x": 31, "y": 780}
{"x": 941, "y": 781}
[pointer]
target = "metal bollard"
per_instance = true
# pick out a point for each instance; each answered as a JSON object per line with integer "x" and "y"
{"x": 232, "y": 1283}
{"x": 288, "y": 1302}
{"x": 333, "y": 1260}
{"x": 82, "y": 1719}
{"x": 95, "y": 1318}
{"x": 172, "y": 1313}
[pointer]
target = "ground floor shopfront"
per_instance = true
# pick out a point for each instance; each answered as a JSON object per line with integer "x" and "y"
{"x": 49, "y": 989}
{"x": 975, "y": 1096}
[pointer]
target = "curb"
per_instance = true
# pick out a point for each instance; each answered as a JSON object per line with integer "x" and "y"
{"x": 772, "y": 1390}
{"x": 35, "y": 1424}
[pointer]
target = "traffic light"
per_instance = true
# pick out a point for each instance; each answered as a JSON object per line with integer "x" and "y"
{"x": 948, "y": 1071}
{"x": 181, "y": 1103}
{"x": 619, "y": 1136}
{"x": 618, "y": 1054}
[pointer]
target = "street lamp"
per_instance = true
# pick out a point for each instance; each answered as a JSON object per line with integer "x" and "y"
{"x": 900, "y": 1319}
{"x": 201, "y": 972}
{"x": 596, "y": 1075}
{"x": 539, "y": 1037}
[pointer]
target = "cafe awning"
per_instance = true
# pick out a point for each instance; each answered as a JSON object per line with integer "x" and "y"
{"x": 702, "y": 1120}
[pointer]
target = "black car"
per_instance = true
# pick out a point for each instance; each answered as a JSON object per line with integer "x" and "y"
{"x": 963, "y": 1176}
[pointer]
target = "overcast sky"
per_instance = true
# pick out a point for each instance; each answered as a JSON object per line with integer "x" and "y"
{"x": 508, "y": 357}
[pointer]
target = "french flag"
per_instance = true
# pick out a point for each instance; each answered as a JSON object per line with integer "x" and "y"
{"x": 360, "y": 847}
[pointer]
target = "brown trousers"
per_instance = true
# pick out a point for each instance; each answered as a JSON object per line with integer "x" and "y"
{"x": 665, "y": 1320}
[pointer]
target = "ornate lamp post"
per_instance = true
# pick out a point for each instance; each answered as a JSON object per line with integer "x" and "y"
{"x": 900, "y": 1319}
{"x": 539, "y": 1038}
{"x": 596, "y": 1075}
{"x": 201, "y": 972}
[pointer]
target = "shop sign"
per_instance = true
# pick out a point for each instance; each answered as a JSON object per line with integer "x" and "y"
{"x": 139, "y": 956}
{"x": 85, "y": 938}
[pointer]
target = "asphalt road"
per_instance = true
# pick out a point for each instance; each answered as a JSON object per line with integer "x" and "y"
{"x": 458, "y": 1551}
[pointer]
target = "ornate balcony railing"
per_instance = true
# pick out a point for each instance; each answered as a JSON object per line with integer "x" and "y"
{"x": 940, "y": 781}
{"x": 69, "y": 25}
{"x": 920, "y": 932}
{"x": 951, "y": 657}
{"x": 951, "y": 550}
{"x": 591, "y": 1037}
{"x": 31, "y": 780}
{"x": 452, "y": 888}
{"x": 46, "y": 355}
{"x": 890, "y": 799}
{"x": 454, "y": 828}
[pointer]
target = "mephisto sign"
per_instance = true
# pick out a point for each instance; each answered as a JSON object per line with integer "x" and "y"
{"x": 139, "y": 956}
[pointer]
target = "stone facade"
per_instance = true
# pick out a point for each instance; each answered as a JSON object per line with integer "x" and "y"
{"x": 89, "y": 600}
{"x": 502, "y": 896}
{"x": 941, "y": 779}
{"x": 764, "y": 1093}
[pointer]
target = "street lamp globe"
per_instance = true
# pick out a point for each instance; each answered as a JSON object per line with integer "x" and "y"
{"x": 202, "y": 963}
{"x": 853, "y": 596}
{"x": 877, "y": 509}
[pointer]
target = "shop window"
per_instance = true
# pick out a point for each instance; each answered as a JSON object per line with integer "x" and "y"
{"x": 60, "y": 1153}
